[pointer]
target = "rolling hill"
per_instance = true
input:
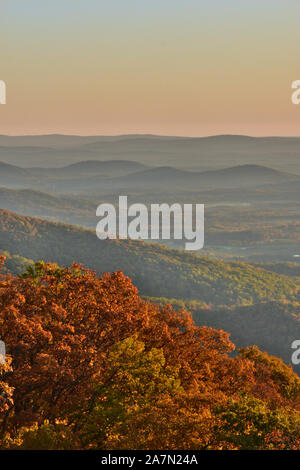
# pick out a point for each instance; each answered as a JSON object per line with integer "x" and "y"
{"x": 49, "y": 207}
{"x": 156, "y": 270}
{"x": 253, "y": 303}
{"x": 234, "y": 177}
{"x": 16, "y": 177}
{"x": 90, "y": 168}
{"x": 70, "y": 177}
{"x": 117, "y": 176}
{"x": 182, "y": 152}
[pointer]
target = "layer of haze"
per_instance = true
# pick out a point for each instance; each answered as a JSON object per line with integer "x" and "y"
{"x": 188, "y": 67}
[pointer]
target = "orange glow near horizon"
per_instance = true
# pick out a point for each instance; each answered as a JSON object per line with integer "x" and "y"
{"x": 191, "y": 71}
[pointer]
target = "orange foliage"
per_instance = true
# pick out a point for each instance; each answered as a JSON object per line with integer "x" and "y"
{"x": 63, "y": 326}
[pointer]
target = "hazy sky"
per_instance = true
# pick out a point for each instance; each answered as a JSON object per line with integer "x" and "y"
{"x": 188, "y": 67}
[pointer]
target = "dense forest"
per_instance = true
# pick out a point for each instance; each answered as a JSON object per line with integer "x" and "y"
{"x": 14, "y": 264}
{"x": 93, "y": 366}
{"x": 256, "y": 304}
{"x": 271, "y": 325}
{"x": 156, "y": 270}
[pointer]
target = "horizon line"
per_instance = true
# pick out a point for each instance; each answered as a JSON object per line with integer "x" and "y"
{"x": 154, "y": 135}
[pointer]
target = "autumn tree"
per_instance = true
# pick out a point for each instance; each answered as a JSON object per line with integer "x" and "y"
{"x": 94, "y": 366}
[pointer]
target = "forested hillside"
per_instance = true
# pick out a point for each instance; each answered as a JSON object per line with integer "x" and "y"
{"x": 253, "y": 303}
{"x": 157, "y": 271}
{"x": 15, "y": 264}
{"x": 92, "y": 366}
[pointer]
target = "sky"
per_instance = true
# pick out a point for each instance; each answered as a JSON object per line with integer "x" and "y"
{"x": 170, "y": 67}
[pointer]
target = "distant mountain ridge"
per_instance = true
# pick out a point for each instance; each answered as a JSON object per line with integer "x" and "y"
{"x": 42, "y": 178}
{"x": 152, "y": 150}
{"x": 91, "y": 167}
{"x": 89, "y": 176}
{"x": 238, "y": 176}
{"x": 54, "y": 140}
